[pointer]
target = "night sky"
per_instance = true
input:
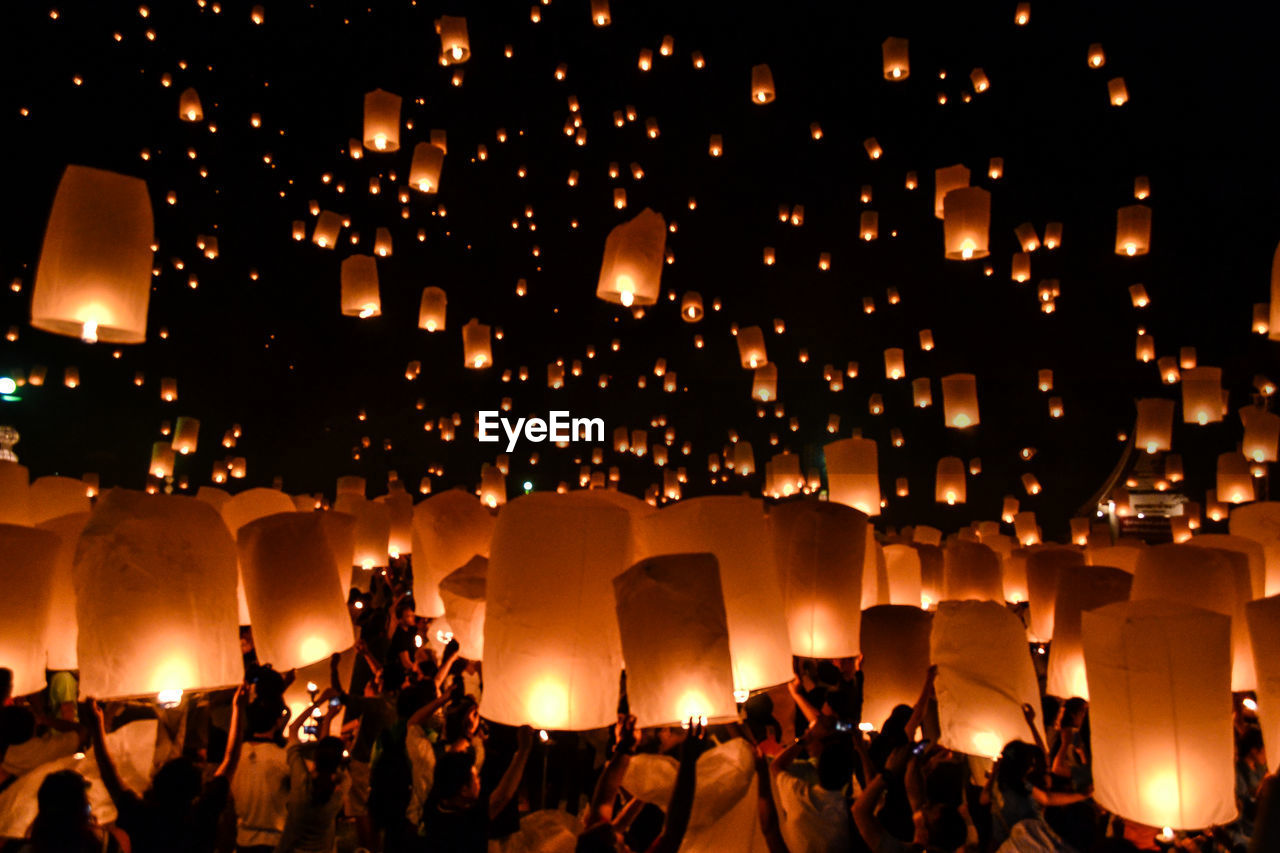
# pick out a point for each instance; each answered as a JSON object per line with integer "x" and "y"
{"x": 275, "y": 355}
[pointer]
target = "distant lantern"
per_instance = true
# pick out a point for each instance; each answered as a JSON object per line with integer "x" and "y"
{"x": 493, "y": 486}
{"x": 1261, "y": 322}
{"x": 291, "y": 583}
{"x": 1044, "y": 380}
{"x": 189, "y": 108}
{"x": 966, "y": 221}
{"x": 381, "y": 121}
{"x": 360, "y": 296}
{"x": 477, "y": 350}
{"x": 1202, "y": 395}
{"x": 762, "y": 90}
{"x": 431, "y": 310}
{"x": 1117, "y": 92}
{"x": 949, "y": 485}
{"x": 1030, "y": 484}
{"x": 691, "y": 306}
{"x": 921, "y": 393}
{"x": 161, "y": 460}
{"x": 675, "y": 640}
{"x": 382, "y": 242}
{"x": 926, "y": 339}
{"x": 1022, "y": 15}
{"x": 424, "y": 171}
{"x": 744, "y": 460}
{"x": 894, "y": 364}
{"x": 1159, "y": 676}
{"x": 1234, "y": 481}
{"x": 94, "y": 277}
{"x": 1052, "y": 235}
{"x": 944, "y": 181}
{"x": 1141, "y": 187}
{"x": 600, "y": 13}
{"x": 1144, "y": 348}
{"x": 995, "y": 168}
{"x": 1138, "y": 296}
{"x": 960, "y": 400}
{"x": 868, "y": 225}
{"x": 853, "y": 474}
{"x": 984, "y": 678}
{"x": 28, "y": 562}
{"x": 897, "y": 63}
{"x": 1133, "y": 230}
{"x": 819, "y": 548}
{"x": 552, "y": 649}
{"x": 325, "y": 233}
{"x": 735, "y": 530}
{"x": 894, "y": 642}
{"x": 185, "y": 435}
{"x": 1096, "y": 58}
{"x": 141, "y": 638}
{"x": 978, "y": 78}
{"x": 1153, "y": 430}
{"x": 455, "y": 44}
{"x": 716, "y": 146}
{"x": 1261, "y": 435}
{"x": 751, "y": 351}
{"x": 764, "y": 385}
{"x": 872, "y": 147}
{"x": 1027, "y": 237}
{"x": 633, "y": 255}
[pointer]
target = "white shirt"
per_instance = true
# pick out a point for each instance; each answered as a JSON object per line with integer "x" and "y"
{"x": 50, "y": 746}
{"x": 422, "y": 761}
{"x": 260, "y": 788}
{"x": 810, "y": 818}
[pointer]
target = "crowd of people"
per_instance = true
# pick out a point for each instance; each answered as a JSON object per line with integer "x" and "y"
{"x": 414, "y": 768}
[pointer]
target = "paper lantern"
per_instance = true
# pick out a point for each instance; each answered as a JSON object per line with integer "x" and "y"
{"x": 868, "y": 228}
{"x": 931, "y": 563}
{"x": 15, "y": 503}
{"x": 1201, "y": 577}
{"x": 1089, "y": 588}
{"x": 552, "y": 651}
{"x": 94, "y": 277}
{"x": 894, "y": 363}
{"x": 944, "y": 181}
{"x": 978, "y": 78}
{"x": 735, "y": 531}
{"x": 60, "y": 636}
{"x": 455, "y": 45}
{"x": 493, "y": 486}
{"x": 1261, "y": 434}
{"x": 476, "y": 349}
{"x": 50, "y": 497}
{"x": 28, "y": 559}
{"x": 971, "y": 571}
{"x": 291, "y": 582}
{"x": 360, "y": 295}
{"x": 966, "y": 220}
{"x": 921, "y": 393}
{"x": 328, "y": 225}
{"x": 675, "y": 640}
{"x": 820, "y": 547}
{"x": 253, "y": 504}
{"x": 600, "y": 13}
{"x": 764, "y": 383}
{"x": 904, "y": 574}
{"x": 431, "y": 310}
{"x": 1133, "y": 230}
{"x": 1239, "y": 548}
{"x": 984, "y": 677}
{"x": 449, "y": 530}
{"x": 634, "y": 251}
{"x": 894, "y": 640}
{"x": 138, "y": 637}
{"x": 1264, "y": 632}
{"x": 853, "y": 474}
{"x": 691, "y": 306}
{"x": 1202, "y": 395}
{"x": 762, "y": 91}
{"x": 897, "y": 64}
{"x": 161, "y": 460}
{"x": 960, "y": 400}
{"x": 1153, "y": 430}
{"x": 189, "y": 108}
{"x": 949, "y": 482}
{"x": 424, "y": 171}
{"x": 1117, "y": 92}
{"x": 1027, "y": 238}
{"x": 782, "y": 476}
{"x": 872, "y": 147}
{"x": 1260, "y": 522}
{"x": 1160, "y": 713}
{"x": 372, "y": 530}
{"x": 400, "y": 509}
{"x": 1048, "y": 570}
{"x": 751, "y": 351}
{"x": 1235, "y": 483}
{"x": 186, "y": 434}
{"x": 381, "y": 121}
{"x": 463, "y": 594}
{"x": 744, "y": 460}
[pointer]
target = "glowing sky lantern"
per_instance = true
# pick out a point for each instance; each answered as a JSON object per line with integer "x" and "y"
{"x": 27, "y": 565}
{"x": 897, "y": 62}
{"x": 552, "y": 651}
{"x": 971, "y": 571}
{"x": 431, "y": 310}
{"x": 1049, "y": 569}
{"x": 819, "y": 548}
{"x": 93, "y": 280}
{"x": 1261, "y": 434}
{"x": 764, "y": 384}
{"x": 675, "y": 640}
{"x": 381, "y": 122}
{"x": 1260, "y": 522}
{"x": 984, "y": 676}
{"x": 328, "y": 225}
{"x": 1090, "y": 587}
{"x": 1133, "y": 230}
{"x": 493, "y": 486}
{"x": 449, "y": 529}
{"x": 62, "y": 630}
{"x": 1153, "y": 430}
{"x": 894, "y": 642}
{"x": 455, "y": 44}
{"x": 853, "y": 474}
{"x": 762, "y": 90}
{"x": 751, "y": 350}
{"x": 291, "y": 579}
{"x": 691, "y": 306}
{"x": 966, "y": 221}
{"x": 1160, "y": 713}
{"x": 960, "y": 400}
{"x": 1117, "y": 92}
{"x": 252, "y": 504}
{"x": 1235, "y": 482}
{"x": 903, "y": 573}
{"x": 400, "y": 510}
{"x": 1202, "y": 395}
{"x": 734, "y": 530}
{"x": 50, "y": 497}
{"x": 141, "y": 638}
{"x": 189, "y": 108}
{"x": 360, "y": 294}
{"x": 1263, "y": 618}
{"x": 477, "y": 352}
{"x": 372, "y": 531}
{"x": 424, "y": 171}
{"x": 631, "y": 271}
{"x": 1239, "y": 548}
{"x": 463, "y": 594}
{"x": 186, "y": 435}
{"x": 600, "y": 13}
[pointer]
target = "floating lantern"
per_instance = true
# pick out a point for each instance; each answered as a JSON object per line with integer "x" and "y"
{"x": 493, "y": 487}
{"x": 1097, "y": 58}
{"x": 189, "y": 108}
{"x": 1133, "y": 230}
{"x": 424, "y": 171}
{"x": 449, "y": 530}
{"x": 463, "y": 594}
{"x": 1202, "y": 395}
{"x": 764, "y": 384}
{"x": 872, "y": 147}
{"x": 360, "y": 296}
{"x": 691, "y": 310}
{"x": 966, "y": 220}
{"x": 751, "y": 351}
{"x": 971, "y": 571}
{"x": 897, "y": 64}
{"x": 633, "y": 255}
{"x": 1261, "y": 435}
{"x": 1117, "y": 92}
{"x": 476, "y": 348}
{"x": 1153, "y": 430}
{"x": 600, "y": 13}
{"x": 1264, "y": 632}
{"x": 1027, "y": 238}
{"x": 944, "y": 181}
{"x": 949, "y": 485}
{"x": 1260, "y": 522}
{"x": 762, "y": 91}
{"x": 94, "y": 277}
{"x": 1138, "y": 296}
{"x": 381, "y": 121}
{"x": 1159, "y": 677}
{"x": 995, "y": 168}
{"x": 1235, "y": 483}
{"x": 978, "y": 78}
{"x": 372, "y": 531}
{"x": 819, "y": 547}
{"x": 455, "y": 44}
{"x": 853, "y": 474}
{"x": 894, "y": 363}
{"x": 868, "y": 226}
{"x": 960, "y": 400}
{"x": 1046, "y": 569}
{"x": 431, "y": 310}
{"x": 894, "y": 642}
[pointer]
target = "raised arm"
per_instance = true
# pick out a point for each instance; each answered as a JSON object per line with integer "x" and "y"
{"x": 601, "y": 808}
{"x": 119, "y": 791}
{"x": 235, "y": 736}
{"x": 864, "y": 808}
{"x": 922, "y": 703}
{"x": 295, "y": 728}
{"x": 1030, "y": 714}
{"x": 506, "y": 789}
{"x": 805, "y": 707}
{"x": 681, "y": 805}
{"x": 782, "y": 760}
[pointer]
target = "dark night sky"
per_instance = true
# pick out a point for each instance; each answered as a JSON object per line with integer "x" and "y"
{"x": 277, "y": 357}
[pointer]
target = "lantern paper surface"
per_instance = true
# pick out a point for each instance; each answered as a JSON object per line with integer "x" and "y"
{"x": 381, "y": 122}
{"x": 372, "y": 531}
{"x": 820, "y": 548}
{"x": 50, "y": 497}
{"x": 1261, "y": 523}
{"x": 61, "y": 635}
{"x": 1264, "y": 632}
{"x": 1046, "y": 569}
{"x": 1254, "y": 556}
{"x": 1083, "y": 588}
{"x": 28, "y": 562}
{"x": 463, "y": 594}
{"x": 902, "y": 567}
{"x": 449, "y": 529}
{"x": 252, "y": 504}
{"x": 971, "y": 571}
{"x": 895, "y": 658}
{"x": 631, "y": 271}
{"x": 853, "y": 474}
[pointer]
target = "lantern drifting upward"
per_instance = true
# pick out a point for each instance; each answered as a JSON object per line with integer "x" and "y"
{"x": 751, "y": 351}
{"x": 966, "y": 221}
{"x": 971, "y": 571}
{"x": 762, "y": 90}
{"x": 455, "y": 44}
{"x": 1234, "y": 481}
{"x": 960, "y": 400}
{"x": 1264, "y": 631}
{"x": 449, "y": 530}
{"x": 853, "y": 474}
{"x": 675, "y": 640}
{"x": 897, "y": 63}
{"x": 600, "y": 13}
{"x": 424, "y": 171}
{"x": 552, "y": 650}
{"x": 894, "y": 642}
{"x": 431, "y": 310}
{"x": 945, "y": 180}
{"x": 477, "y": 352}
{"x": 360, "y": 295}
{"x": 764, "y": 385}
{"x": 463, "y": 594}
{"x": 1160, "y": 712}
{"x": 1087, "y": 588}
{"x": 381, "y": 121}
{"x": 820, "y": 549}
{"x": 633, "y": 256}
{"x": 1133, "y": 230}
{"x": 949, "y": 485}
{"x": 189, "y": 108}
{"x": 1202, "y": 395}
{"x": 1153, "y": 430}
{"x": 94, "y": 277}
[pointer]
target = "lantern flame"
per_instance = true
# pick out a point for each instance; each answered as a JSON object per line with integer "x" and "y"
{"x": 380, "y": 141}
{"x": 89, "y": 332}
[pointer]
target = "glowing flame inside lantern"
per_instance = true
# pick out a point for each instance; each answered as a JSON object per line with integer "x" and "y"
{"x": 626, "y": 290}
{"x": 987, "y": 743}
{"x": 431, "y": 325}
{"x": 456, "y": 52}
{"x": 380, "y": 141}
{"x": 961, "y": 420}
{"x": 368, "y": 310}
{"x": 89, "y": 333}
{"x": 1131, "y": 248}
{"x": 967, "y": 248}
